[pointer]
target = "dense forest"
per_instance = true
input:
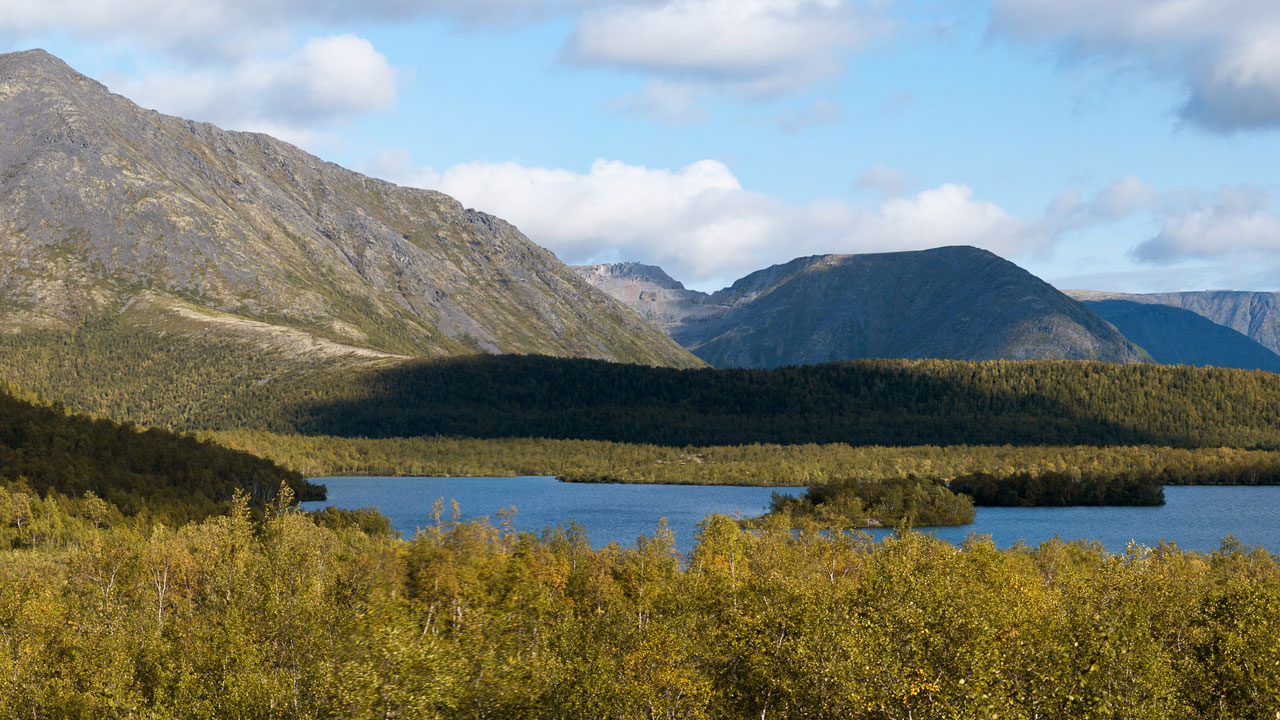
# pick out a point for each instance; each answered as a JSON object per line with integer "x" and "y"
{"x": 1057, "y": 489}
{"x": 288, "y": 617}
{"x": 756, "y": 464}
{"x": 874, "y": 402}
{"x": 187, "y": 383}
{"x": 155, "y": 472}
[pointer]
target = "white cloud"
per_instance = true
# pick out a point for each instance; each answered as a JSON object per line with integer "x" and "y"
{"x": 329, "y": 79}
{"x": 1225, "y": 52}
{"x": 700, "y": 224}
{"x": 229, "y": 30}
{"x": 1237, "y": 223}
{"x": 758, "y": 48}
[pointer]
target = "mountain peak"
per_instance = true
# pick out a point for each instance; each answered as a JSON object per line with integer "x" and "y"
{"x": 39, "y": 65}
{"x": 105, "y": 205}
{"x": 630, "y": 271}
{"x": 34, "y": 58}
{"x": 951, "y": 302}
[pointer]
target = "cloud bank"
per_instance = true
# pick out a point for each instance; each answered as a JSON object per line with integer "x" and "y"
{"x": 1235, "y": 223}
{"x": 756, "y": 48}
{"x": 703, "y": 227}
{"x": 1225, "y": 52}
{"x": 330, "y": 79}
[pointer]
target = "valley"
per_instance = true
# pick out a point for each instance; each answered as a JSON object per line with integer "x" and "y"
{"x": 193, "y": 321}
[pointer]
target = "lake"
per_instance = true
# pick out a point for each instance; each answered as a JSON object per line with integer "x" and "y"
{"x": 1196, "y": 518}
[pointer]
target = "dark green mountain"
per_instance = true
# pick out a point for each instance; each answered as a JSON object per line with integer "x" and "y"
{"x": 1181, "y": 337}
{"x": 174, "y": 226}
{"x": 952, "y": 302}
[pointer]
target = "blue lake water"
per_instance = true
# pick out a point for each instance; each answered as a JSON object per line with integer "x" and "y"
{"x": 1196, "y": 518}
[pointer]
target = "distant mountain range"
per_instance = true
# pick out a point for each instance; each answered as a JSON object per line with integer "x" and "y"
{"x": 1181, "y": 337}
{"x": 171, "y": 273}
{"x": 953, "y": 302}
{"x": 178, "y": 227}
{"x": 1253, "y": 314}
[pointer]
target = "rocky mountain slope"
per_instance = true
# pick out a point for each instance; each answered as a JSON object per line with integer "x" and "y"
{"x": 953, "y": 302}
{"x": 1180, "y": 337}
{"x": 178, "y": 226}
{"x": 1254, "y": 314}
{"x": 653, "y": 294}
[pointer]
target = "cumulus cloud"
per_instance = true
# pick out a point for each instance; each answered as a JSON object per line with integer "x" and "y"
{"x": 759, "y": 48}
{"x": 1224, "y": 51}
{"x": 700, "y": 224}
{"x": 1236, "y": 223}
{"x": 329, "y": 79}
{"x": 228, "y": 30}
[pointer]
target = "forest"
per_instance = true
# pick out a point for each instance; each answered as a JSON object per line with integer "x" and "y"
{"x": 147, "y": 574}
{"x": 762, "y": 464}
{"x": 153, "y": 472}
{"x": 184, "y": 383}
{"x": 289, "y": 616}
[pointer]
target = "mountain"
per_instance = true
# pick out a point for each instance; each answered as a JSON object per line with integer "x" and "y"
{"x": 107, "y": 209}
{"x": 653, "y": 294}
{"x": 1254, "y": 314}
{"x": 952, "y": 302}
{"x": 1180, "y": 337}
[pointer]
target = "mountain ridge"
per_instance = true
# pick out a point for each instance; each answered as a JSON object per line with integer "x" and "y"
{"x": 106, "y": 206}
{"x": 1176, "y": 336}
{"x": 1254, "y": 314}
{"x": 954, "y": 302}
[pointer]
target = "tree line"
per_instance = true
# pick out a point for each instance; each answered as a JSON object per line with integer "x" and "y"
{"x": 191, "y": 383}
{"x": 755, "y": 464}
{"x": 45, "y": 450}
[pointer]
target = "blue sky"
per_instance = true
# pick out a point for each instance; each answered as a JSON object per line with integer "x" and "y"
{"x": 1128, "y": 146}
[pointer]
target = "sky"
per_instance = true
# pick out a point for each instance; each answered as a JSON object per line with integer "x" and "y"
{"x": 1130, "y": 146}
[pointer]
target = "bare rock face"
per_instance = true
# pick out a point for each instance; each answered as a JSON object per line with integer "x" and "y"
{"x": 954, "y": 302}
{"x": 105, "y": 205}
{"x": 653, "y": 294}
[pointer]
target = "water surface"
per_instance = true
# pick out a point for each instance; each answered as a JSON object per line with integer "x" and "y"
{"x": 609, "y": 512}
{"x": 1196, "y": 518}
